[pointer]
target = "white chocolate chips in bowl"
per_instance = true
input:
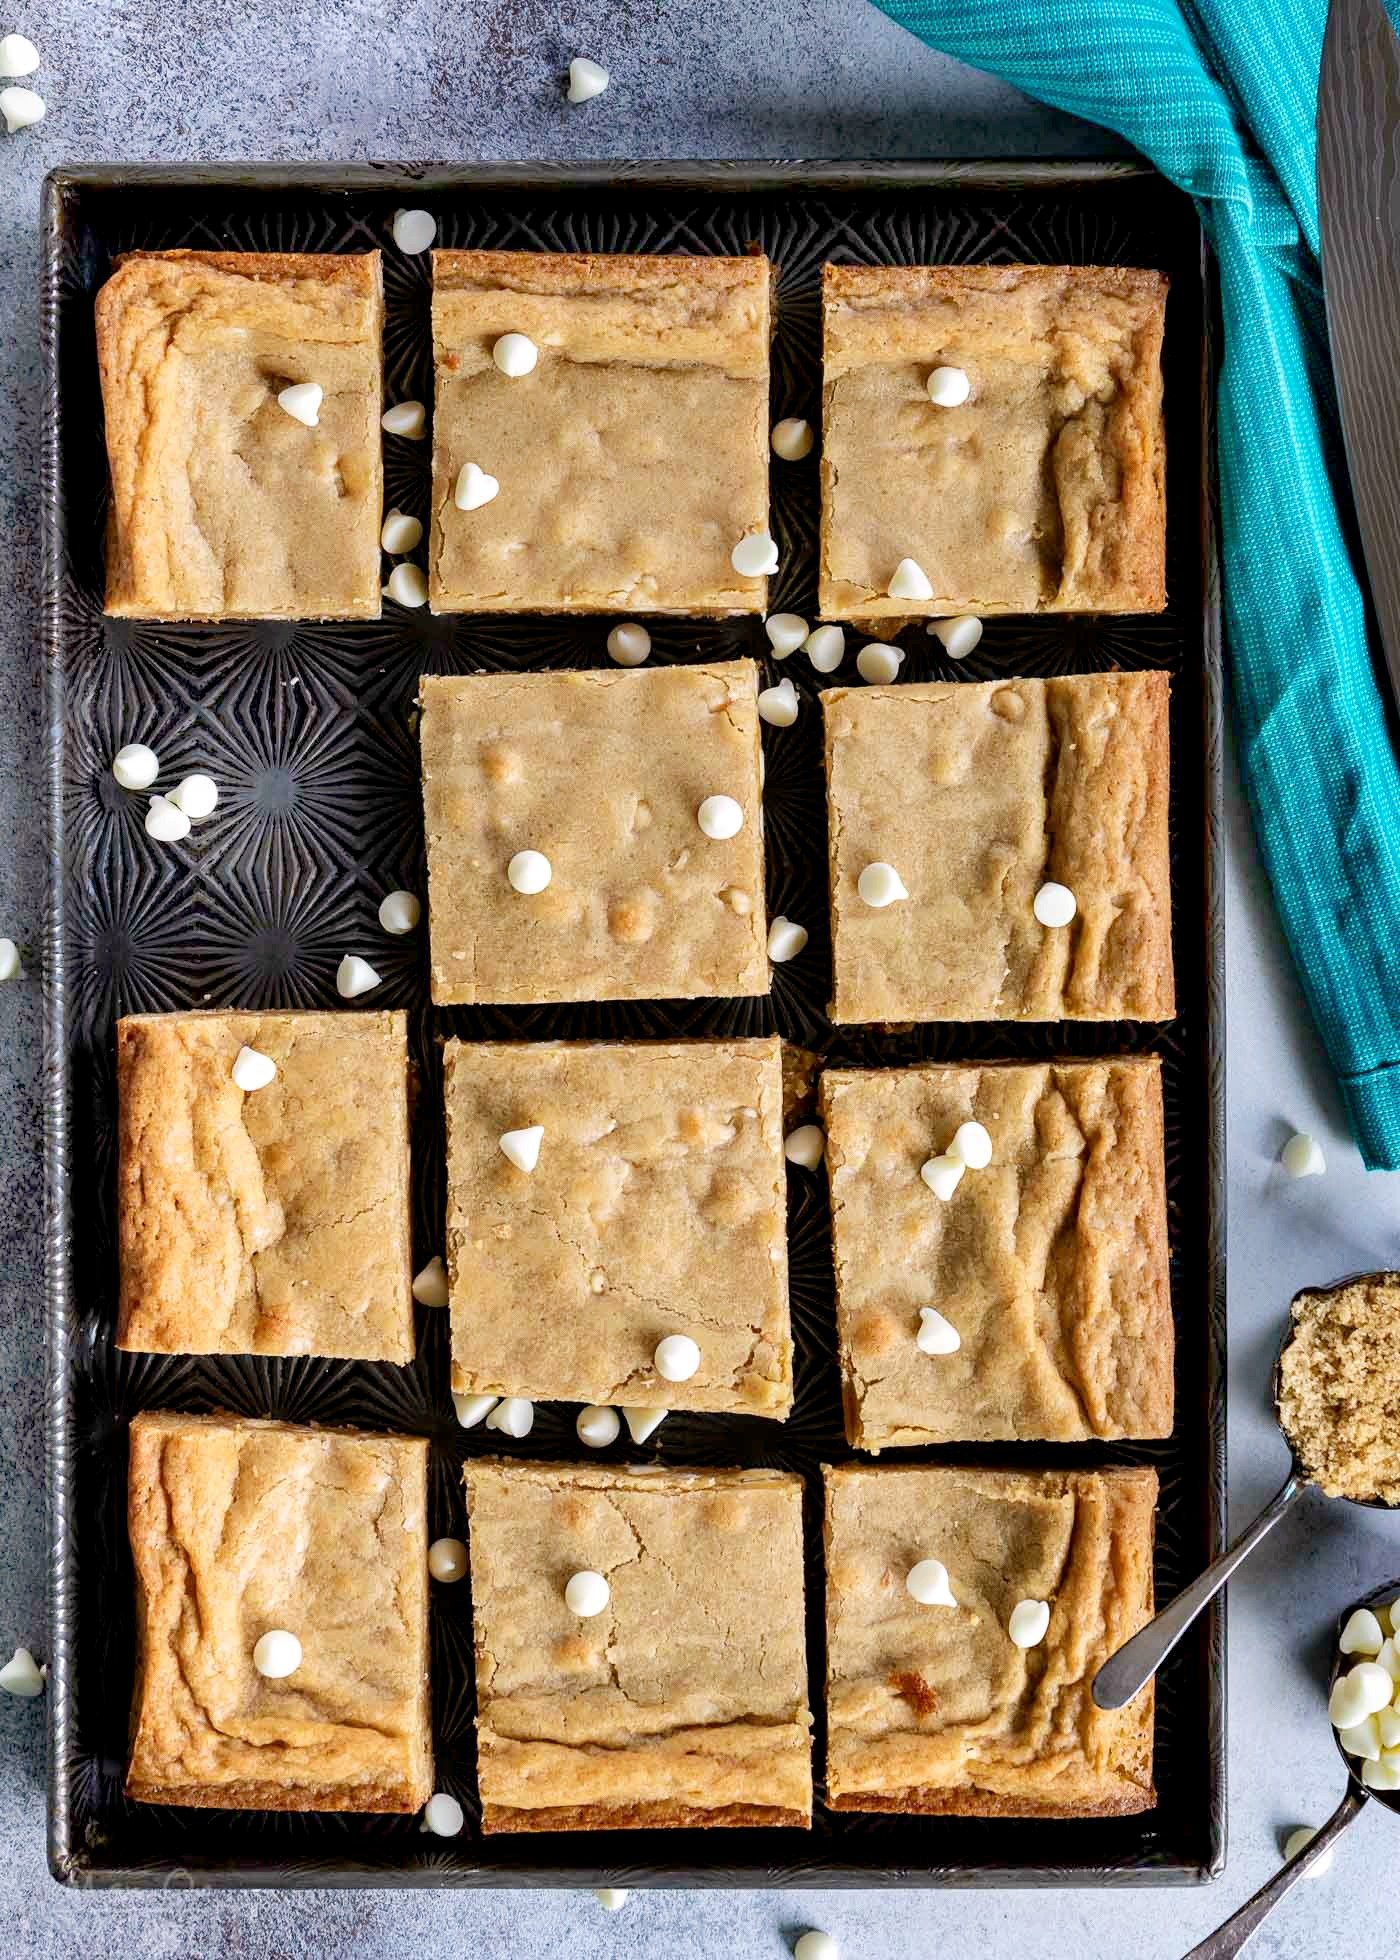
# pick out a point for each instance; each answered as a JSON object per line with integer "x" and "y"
{"x": 1364, "y": 1705}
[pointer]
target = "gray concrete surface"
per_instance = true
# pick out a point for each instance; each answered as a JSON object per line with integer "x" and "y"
{"x": 347, "y": 78}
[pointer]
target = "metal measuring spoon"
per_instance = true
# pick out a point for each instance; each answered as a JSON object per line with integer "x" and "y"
{"x": 1127, "y": 1672}
{"x": 1231, "y": 1937}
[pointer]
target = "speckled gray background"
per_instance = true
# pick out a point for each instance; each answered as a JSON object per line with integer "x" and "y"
{"x": 351, "y": 78}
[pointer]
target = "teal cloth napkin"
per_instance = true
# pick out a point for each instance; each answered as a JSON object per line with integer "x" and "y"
{"x": 1222, "y": 95}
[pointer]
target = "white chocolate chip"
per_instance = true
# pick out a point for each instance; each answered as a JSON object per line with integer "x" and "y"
{"x": 400, "y": 533}
{"x": 135, "y": 766}
{"x": 785, "y": 940}
{"x": 430, "y": 1285}
{"x": 475, "y": 486}
{"x": 826, "y": 648}
{"x": 936, "y": 1335}
{"x": 529, "y": 872}
{"x": 816, "y": 1945}
{"x": 879, "y": 664}
{"x": 512, "y": 1416}
{"x": 629, "y": 644}
{"x": 586, "y": 79}
{"x": 792, "y": 439}
{"x": 643, "y": 1423}
{"x": 443, "y": 1815}
{"x": 1302, "y": 1156}
{"x": 1055, "y": 905}
{"x": 472, "y": 1409}
{"x": 880, "y": 885}
{"x": 720, "y": 817}
{"x": 515, "y": 354}
{"x": 909, "y": 581}
{"x": 973, "y": 1143}
{"x": 676, "y": 1358}
{"x": 1388, "y": 1727}
{"x": 755, "y": 555}
{"x": 197, "y": 796}
{"x": 21, "y": 108}
{"x": 302, "y": 401}
{"x": 928, "y": 1583}
{"x": 165, "y": 821}
{"x": 786, "y": 633}
{"x": 11, "y": 967}
{"x": 1028, "y": 1623}
{"x": 1362, "y": 1634}
{"x": 948, "y": 387}
{"x": 354, "y": 977}
{"x": 778, "y": 705}
{"x": 959, "y": 636}
{"x": 1384, "y": 1775}
{"x": 253, "y": 1070}
{"x": 1388, "y": 1657}
{"x": 447, "y": 1560}
{"x": 18, "y": 56}
{"x": 805, "y": 1146}
{"x": 21, "y": 1675}
{"x": 597, "y": 1427}
{"x": 414, "y": 231}
{"x": 522, "y": 1147}
{"x": 1364, "y": 1691}
{"x": 943, "y": 1175}
{"x": 399, "y": 912}
{"x": 612, "y": 1898}
{"x": 586, "y": 1594}
{"x": 405, "y": 419}
{"x": 276, "y": 1654}
{"x": 1299, "y": 1840}
{"x": 408, "y": 585}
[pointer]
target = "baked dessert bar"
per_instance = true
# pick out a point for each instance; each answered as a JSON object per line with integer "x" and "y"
{"x": 241, "y": 1529}
{"x": 226, "y": 505}
{"x": 682, "y": 1699}
{"x": 1046, "y": 1271}
{"x": 631, "y": 455}
{"x": 269, "y": 1221}
{"x": 988, "y": 800}
{"x": 1043, "y": 490}
{"x": 656, "y": 1211}
{"x": 604, "y": 775}
{"x": 935, "y": 1707}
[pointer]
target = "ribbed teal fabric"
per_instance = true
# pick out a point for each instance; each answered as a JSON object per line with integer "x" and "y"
{"x": 1222, "y": 97}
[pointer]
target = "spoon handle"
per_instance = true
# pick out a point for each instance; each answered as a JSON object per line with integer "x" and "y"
{"x": 1242, "y": 1926}
{"x": 1127, "y": 1672}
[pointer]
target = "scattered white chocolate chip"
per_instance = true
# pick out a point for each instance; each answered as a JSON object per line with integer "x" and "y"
{"x": 475, "y": 487}
{"x": 936, "y": 1335}
{"x": 629, "y": 644}
{"x": 18, "y": 56}
{"x": 276, "y": 1654}
{"x": 948, "y": 387}
{"x": 879, "y": 664}
{"x": 513, "y": 1415}
{"x": 408, "y": 585}
{"x": 1384, "y": 1775}
{"x": 943, "y": 1175}
{"x": 1299, "y": 1840}
{"x": 1362, "y": 1634}
{"x": 405, "y": 419}
{"x": 447, "y": 1560}
{"x": 973, "y": 1143}
{"x": 586, "y": 79}
{"x": 805, "y": 1146}
{"x": 676, "y": 1358}
{"x": 612, "y": 1898}
{"x": 472, "y": 1409}
{"x": 515, "y": 354}
{"x": 522, "y": 1147}
{"x": 597, "y": 1427}
{"x": 1362, "y": 1740}
{"x": 785, "y": 940}
{"x": 400, "y": 533}
{"x": 11, "y": 967}
{"x": 792, "y": 439}
{"x": 586, "y": 1594}
{"x": 1363, "y": 1691}
{"x": 786, "y": 632}
{"x": 643, "y": 1423}
{"x": 430, "y": 1285}
{"x": 166, "y": 821}
{"x": 826, "y": 648}
{"x": 755, "y": 555}
{"x": 135, "y": 766}
{"x": 253, "y": 1070}
{"x": 354, "y": 977}
{"x": 816, "y": 1945}
{"x": 302, "y": 401}
{"x": 399, "y": 912}
{"x": 443, "y": 1816}
{"x": 1028, "y": 1622}
{"x": 1055, "y": 905}
{"x": 1302, "y": 1156}
{"x": 21, "y": 108}
{"x": 928, "y": 1583}
{"x": 197, "y": 796}
{"x": 21, "y": 1675}
{"x": 778, "y": 705}
{"x": 959, "y": 636}
{"x": 880, "y": 885}
{"x": 720, "y": 817}
{"x": 529, "y": 872}
{"x": 909, "y": 581}
{"x": 414, "y": 231}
